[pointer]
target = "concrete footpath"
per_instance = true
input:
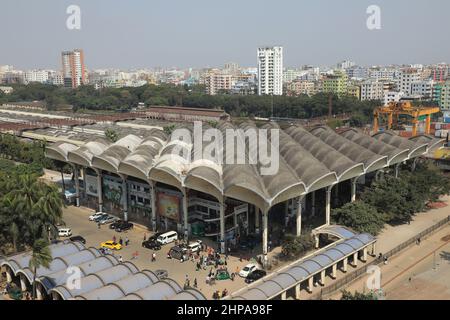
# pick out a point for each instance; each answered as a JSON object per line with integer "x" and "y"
{"x": 413, "y": 260}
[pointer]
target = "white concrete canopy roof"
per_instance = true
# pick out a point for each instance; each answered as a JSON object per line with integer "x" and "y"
{"x": 308, "y": 160}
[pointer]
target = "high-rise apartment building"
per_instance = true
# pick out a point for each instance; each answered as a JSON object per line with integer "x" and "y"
{"x": 336, "y": 83}
{"x": 372, "y": 90}
{"x": 74, "y": 71}
{"x": 217, "y": 81}
{"x": 406, "y": 79}
{"x": 445, "y": 96}
{"x": 270, "y": 70}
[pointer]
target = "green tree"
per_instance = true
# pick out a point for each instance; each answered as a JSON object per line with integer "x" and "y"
{"x": 294, "y": 247}
{"x": 111, "y": 135}
{"x": 40, "y": 257}
{"x": 359, "y": 216}
{"x": 346, "y": 295}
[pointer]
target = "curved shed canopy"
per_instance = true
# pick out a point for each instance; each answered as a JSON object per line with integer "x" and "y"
{"x": 395, "y": 155}
{"x": 307, "y": 161}
{"x": 415, "y": 149}
{"x": 271, "y": 286}
{"x": 431, "y": 142}
{"x": 340, "y": 232}
{"x": 102, "y": 276}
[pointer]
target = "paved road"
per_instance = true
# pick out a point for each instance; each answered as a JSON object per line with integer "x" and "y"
{"x": 77, "y": 220}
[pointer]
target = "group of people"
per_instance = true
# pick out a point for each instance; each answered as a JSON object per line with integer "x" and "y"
{"x": 121, "y": 241}
{"x": 217, "y": 295}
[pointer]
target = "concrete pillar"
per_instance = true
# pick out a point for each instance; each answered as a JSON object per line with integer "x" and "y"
{"x": 77, "y": 185}
{"x": 23, "y": 284}
{"x": 265, "y": 234}
{"x": 344, "y": 266}
{"x": 222, "y": 225}
{"x": 185, "y": 215}
{"x": 257, "y": 220}
{"x": 299, "y": 216}
{"x": 373, "y": 249}
{"x": 336, "y": 195}
{"x": 38, "y": 292}
{"x": 334, "y": 271}
{"x": 125, "y": 198}
{"x": 322, "y": 277}
{"x": 328, "y": 205}
{"x": 8, "y": 275}
{"x": 353, "y": 189}
{"x": 364, "y": 257}
{"x": 99, "y": 190}
{"x": 297, "y": 292}
{"x": 153, "y": 202}
{"x": 397, "y": 169}
{"x": 313, "y": 203}
{"x": 316, "y": 241}
{"x": 286, "y": 212}
{"x": 283, "y": 295}
{"x": 310, "y": 284}
{"x": 355, "y": 259}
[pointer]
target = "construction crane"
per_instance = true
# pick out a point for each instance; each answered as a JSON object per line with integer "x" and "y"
{"x": 395, "y": 109}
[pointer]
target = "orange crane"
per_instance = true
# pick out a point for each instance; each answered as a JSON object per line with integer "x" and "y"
{"x": 394, "y": 109}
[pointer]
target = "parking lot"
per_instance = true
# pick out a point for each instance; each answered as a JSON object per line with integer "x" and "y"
{"x": 78, "y": 220}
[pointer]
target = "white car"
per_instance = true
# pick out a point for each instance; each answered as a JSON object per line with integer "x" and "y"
{"x": 108, "y": 220}
{"x": 247, "y": 270}
{"x": 195, "y": 246}
{"x": 96, "y": 215}
{"x": 64, "y": 232}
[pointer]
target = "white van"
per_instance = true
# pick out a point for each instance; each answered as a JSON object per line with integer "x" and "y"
{"x": 167, "y": 237}
{"x": 64, "y": 232}
{"x": 195, "y": 246}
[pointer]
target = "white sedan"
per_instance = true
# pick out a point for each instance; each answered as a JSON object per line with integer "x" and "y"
{"x": 96, "y": 215}
{"x": 247, "y": 270}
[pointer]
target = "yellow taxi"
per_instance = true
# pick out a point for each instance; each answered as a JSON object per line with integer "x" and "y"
{"x": 111, "y": 245}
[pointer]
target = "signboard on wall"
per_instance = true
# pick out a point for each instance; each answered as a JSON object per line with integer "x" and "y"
{"x": 91, "y": 185}
{"x": 168, "y": 206}
{"x": 113, "y": 190}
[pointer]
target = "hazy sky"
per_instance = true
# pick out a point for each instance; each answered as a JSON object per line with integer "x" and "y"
{"x": 197, "y": 33}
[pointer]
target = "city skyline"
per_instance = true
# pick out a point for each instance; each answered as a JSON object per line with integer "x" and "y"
{"x": 186, "y": 42}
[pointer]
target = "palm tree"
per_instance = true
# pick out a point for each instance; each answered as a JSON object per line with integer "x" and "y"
{"x": 40, "y": 257}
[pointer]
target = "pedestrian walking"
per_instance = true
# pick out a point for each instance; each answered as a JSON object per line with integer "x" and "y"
{"x": 98, "y": 225}
{"x": 145, "y": 236}
{"x": 127, "y": 241}
{"x": 121, "y": 241}
{"x": 114, "y": 239}
{"x": 195, "y": 283}
{"x": 385, "y": 259}
{"x": 153, "y": 257}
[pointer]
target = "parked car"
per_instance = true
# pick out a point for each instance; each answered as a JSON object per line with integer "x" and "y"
{"x": 161, "y": 274}
{"x": 155, "y": 236}
{"x": 151, "y": 244}
{"x": 255, "y": 275}
{"x": 195, "y": 246}
{"x": 247, "y": 270}
{"x": 64, "y": 232}
{"x": 168, "y": 237}
{"x": 222, "y": 274}
{"x": 111, "y": 245}
{"x": 92, "y": 217}
{"x": 115, "y": 224}
{"x": 108, "y": 219}
{"x": 78, "y": 238}
{"x": 124, "y": 226}
{"x": 100, "y": 217}
{"x": 179, "y": 253}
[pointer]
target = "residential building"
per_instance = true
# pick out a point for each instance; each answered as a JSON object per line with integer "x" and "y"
{"x": 299, "y": 87}
{"x": 372, "y": 90}
{"x": 345, "y": 64}
{"x": 445, "y": 96}
{"x": 406, "y": 78}
{"x": 422, "y": 88}
{"x": 392, "y": 96}
{"x": 216, "y": 81}
{"x": 73, "y": 67}
{"x": 41, "y": 76}
{"x": 354, "y": 91}
{"x": 270, "y": 70}
{"x": 335, "y": 83}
